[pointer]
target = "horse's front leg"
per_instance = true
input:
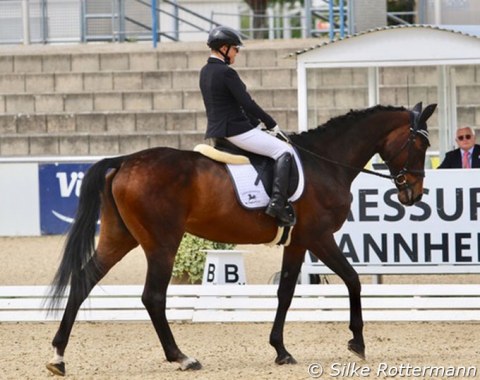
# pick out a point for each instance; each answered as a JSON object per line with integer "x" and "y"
{"x": 329, "y": 253}
{"x": 291, "y": 264}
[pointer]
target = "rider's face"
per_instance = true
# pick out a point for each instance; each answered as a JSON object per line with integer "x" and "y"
{"x": 232, "y": 52}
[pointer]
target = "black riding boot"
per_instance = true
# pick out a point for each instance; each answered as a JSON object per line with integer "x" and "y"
{"x": 277, "y": 207}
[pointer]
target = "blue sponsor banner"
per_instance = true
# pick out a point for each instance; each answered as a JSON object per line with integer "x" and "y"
{"x": 59, "y": 191}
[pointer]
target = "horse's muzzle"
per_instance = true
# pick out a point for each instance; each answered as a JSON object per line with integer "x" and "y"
{"x": 408, "y": 196}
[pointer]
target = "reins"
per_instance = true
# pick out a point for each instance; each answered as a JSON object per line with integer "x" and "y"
{"x": 399, "y": 178}
{"x": 323, "y": 158}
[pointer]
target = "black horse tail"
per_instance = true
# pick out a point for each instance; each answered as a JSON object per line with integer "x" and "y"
{"x": 80, "y": 243}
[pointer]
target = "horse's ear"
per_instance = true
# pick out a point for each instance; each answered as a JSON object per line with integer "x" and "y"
{"x": 418, "y": 107}
{"x": 427, "y": 112}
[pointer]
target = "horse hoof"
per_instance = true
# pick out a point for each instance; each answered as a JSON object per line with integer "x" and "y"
{"x": 190, "y": 364}
{"x": 287, "y": 359}
{"x": 357, "y": 349}
{"x": 57, "y": 368}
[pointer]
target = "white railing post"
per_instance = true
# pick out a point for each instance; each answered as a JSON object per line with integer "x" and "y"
{"x": 271, "y": 23}
{"x": 26, "y": 22}
{"x": 287, "y": 26}
{"x": 307, "y": 30}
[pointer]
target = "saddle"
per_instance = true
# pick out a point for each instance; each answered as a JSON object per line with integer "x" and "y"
{"x": 252, "y": 177}
{"x": 263, "y": 165}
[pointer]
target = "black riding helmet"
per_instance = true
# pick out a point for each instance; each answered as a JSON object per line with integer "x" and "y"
{"x": 223, "y": 35}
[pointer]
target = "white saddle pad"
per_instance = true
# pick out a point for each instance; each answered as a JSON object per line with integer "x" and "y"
{"x": 255, "y": 196}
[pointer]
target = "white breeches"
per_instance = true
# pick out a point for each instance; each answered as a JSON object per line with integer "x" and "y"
{"x": 259, "y": 142}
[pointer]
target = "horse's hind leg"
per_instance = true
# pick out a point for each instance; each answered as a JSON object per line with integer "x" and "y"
{"x": 75, "y": 299}
{"x": 160, "y": 266}
{"x": 329, "y": 253}
{"x": 114, "y": 243}
{"x": 291, "y": 264}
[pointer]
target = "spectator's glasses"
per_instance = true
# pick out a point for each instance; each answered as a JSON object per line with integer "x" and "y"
{"x": 467, "y": 137}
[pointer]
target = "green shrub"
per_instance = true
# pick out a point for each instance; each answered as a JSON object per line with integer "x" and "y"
{"x": 190, "y": 259}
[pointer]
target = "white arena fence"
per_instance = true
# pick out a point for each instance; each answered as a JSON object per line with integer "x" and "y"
{"x": 438, "y": 235}
{"x": 255, "y": 303}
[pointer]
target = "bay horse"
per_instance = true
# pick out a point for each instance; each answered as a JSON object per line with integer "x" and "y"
{"x": 152, "y": 197}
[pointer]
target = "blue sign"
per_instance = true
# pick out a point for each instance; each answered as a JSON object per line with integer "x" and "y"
{"x": 59, "y": 192}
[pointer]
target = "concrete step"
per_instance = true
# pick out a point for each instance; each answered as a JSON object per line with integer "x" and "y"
{"x": 324, "y": 98}
{"x": 174, "y": 120}
{"x": 136, "y": 100}
{"x": 105, "y": 144}
{"x": 464, "y": 75}
{"x": 327, "y": 97}
{"x": 108, "y": 122}
{"x": 123, "y": 122}
{"x": 98, "y": 97}
{"x": 66, "y": 82}
{"x": 142, "y": 57}
{"x": 260, "y": 77}
{"x": 101, "y": 144}
{"x": 137, "y": 57}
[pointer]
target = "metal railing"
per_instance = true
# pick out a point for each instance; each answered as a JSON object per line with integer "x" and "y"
{"x": 399, "y": 18}
{"x": 50, "y": 21}
{"x": 177, "y": 19}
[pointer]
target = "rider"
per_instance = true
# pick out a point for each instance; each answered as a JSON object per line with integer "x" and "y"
{"x": 233, "y": 114}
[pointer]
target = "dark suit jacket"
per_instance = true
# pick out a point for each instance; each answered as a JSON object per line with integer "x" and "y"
{"x": 230, "y": 108}
{"x": 453, "y": 159}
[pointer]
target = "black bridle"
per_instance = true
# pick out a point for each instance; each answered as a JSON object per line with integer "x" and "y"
{"x": 399, "y": 178}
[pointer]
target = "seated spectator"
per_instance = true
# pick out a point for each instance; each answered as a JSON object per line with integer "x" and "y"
{"x": 467, "y": 155}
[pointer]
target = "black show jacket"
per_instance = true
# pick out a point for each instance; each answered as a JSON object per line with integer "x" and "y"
{"x": 230, "y": 108}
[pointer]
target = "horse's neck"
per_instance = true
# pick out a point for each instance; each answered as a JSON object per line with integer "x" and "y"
{"x": 354, "y": 147}
{"x": 350, "y": 147}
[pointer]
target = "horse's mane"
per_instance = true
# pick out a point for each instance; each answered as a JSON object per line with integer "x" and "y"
{"x": 344, "y": 121}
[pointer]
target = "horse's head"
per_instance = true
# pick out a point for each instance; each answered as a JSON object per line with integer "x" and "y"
{"x": 404, "y": 152}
